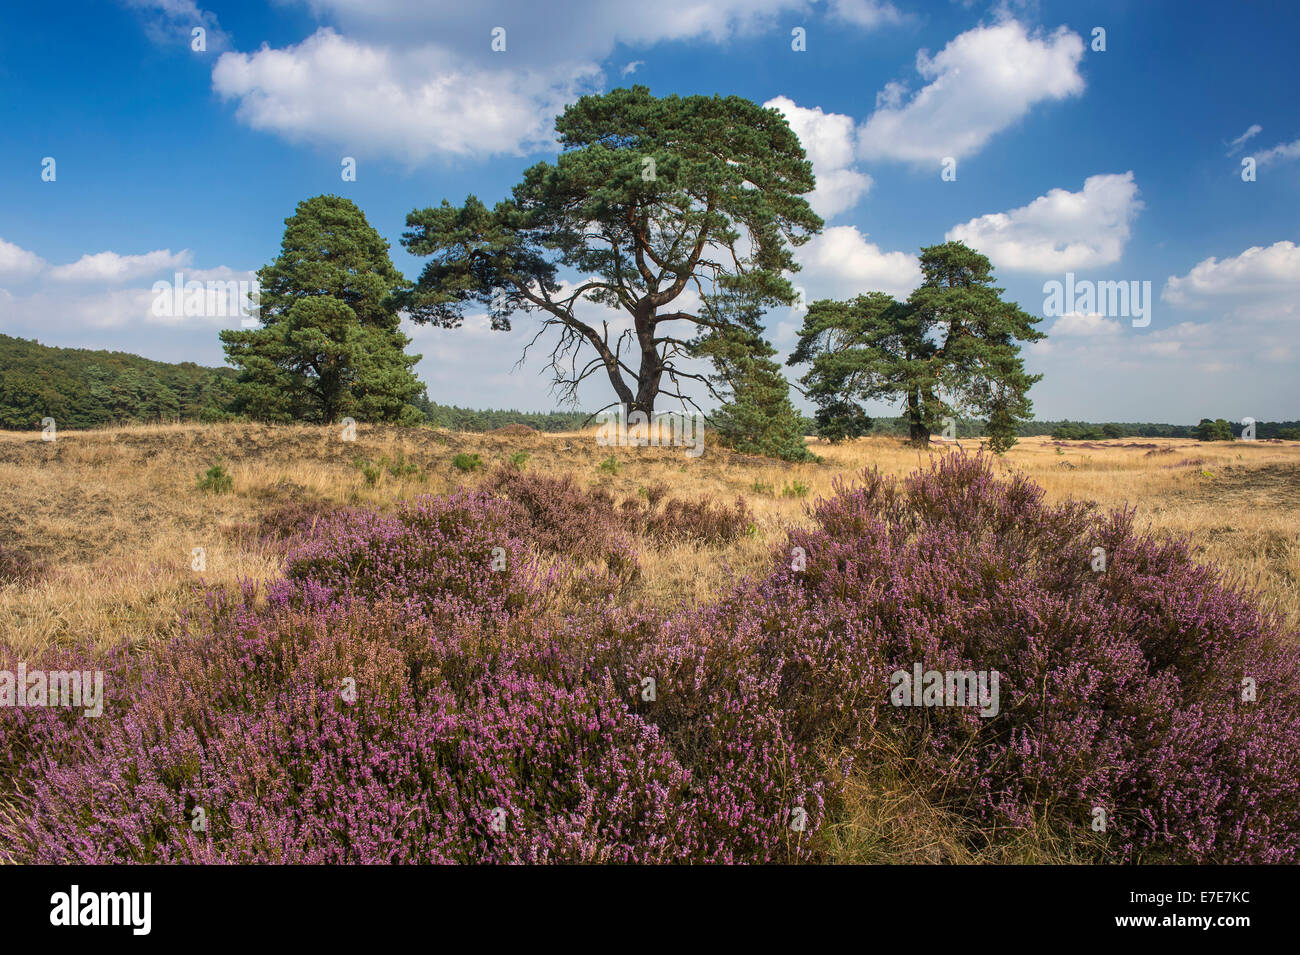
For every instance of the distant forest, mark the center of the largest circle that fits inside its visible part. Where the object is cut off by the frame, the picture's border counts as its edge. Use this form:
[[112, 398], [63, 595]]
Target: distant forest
[[80, 388], [1090, 431]]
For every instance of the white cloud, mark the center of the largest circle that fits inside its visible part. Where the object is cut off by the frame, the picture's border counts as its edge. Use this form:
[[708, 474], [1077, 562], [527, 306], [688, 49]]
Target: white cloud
[[1268, 273], [52, 311], [172, 21], [1060, 231], [632, 67], [370, 99], [1236, 360], [420, 79], [865, 13], [541, 33], [17, 262], [1253, 130], [1280, 153], [840, 263], [828, 140], [106, 300], [112, 267], [1078, 324], [979, 84]]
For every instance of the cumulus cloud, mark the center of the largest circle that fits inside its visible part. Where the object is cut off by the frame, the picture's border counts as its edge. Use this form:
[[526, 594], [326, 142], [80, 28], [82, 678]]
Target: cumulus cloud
[[1259, 273], [107, 300], [840, 262], [828, 140], [112, 267], [1284, 152], [1236, 359], [537, 33], [865, 13], [370, 99], [416, 80], [17, 262], [1078, 324], [1253, 130], [171, 22], [983, 81], [1060, 231]]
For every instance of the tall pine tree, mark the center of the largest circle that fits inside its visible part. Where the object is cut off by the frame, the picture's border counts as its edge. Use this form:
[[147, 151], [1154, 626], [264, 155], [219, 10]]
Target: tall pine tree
[[951, 351], [330, 344]]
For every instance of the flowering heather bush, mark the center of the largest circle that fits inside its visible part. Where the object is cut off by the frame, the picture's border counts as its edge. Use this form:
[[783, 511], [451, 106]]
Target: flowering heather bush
[[451, 556], [248, 722], [590, 523], [1120, 689], [478, 731], [401, 697], [561, 518]]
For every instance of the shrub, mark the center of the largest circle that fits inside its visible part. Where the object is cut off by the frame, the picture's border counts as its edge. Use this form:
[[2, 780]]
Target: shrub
[[1120, 689], [216, 481], [438, 553], [467, 462], [467, 711], [1217, 430], [399, 467], [610, 465], [558, 517], [369, 470], [795, 489], [405, 694], [518, 459]]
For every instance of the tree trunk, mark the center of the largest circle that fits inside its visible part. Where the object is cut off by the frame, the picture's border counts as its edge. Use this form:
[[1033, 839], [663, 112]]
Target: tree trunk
[[917, 431], [650, 371]]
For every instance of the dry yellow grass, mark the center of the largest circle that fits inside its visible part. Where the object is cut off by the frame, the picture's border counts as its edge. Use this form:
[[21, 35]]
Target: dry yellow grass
[[116, 514]]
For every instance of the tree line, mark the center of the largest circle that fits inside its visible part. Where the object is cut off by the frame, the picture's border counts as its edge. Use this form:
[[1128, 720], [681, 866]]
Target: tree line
[[81, 388], [85, 388]]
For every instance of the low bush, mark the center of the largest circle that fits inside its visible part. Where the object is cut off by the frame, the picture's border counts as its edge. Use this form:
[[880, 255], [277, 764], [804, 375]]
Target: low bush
[[467, 462], [406, 693], [216, 480]]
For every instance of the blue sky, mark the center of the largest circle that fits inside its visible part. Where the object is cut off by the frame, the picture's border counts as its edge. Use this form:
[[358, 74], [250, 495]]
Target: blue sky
[[1115, 165]]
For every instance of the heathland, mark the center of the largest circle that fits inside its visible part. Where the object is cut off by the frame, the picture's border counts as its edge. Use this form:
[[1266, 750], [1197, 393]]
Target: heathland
[[146, 541]]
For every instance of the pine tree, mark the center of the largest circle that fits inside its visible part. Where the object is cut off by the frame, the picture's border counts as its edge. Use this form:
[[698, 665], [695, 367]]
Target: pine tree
[[330, 344], [650, 199], [758, 417], [951, 351], [1216, 430]]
